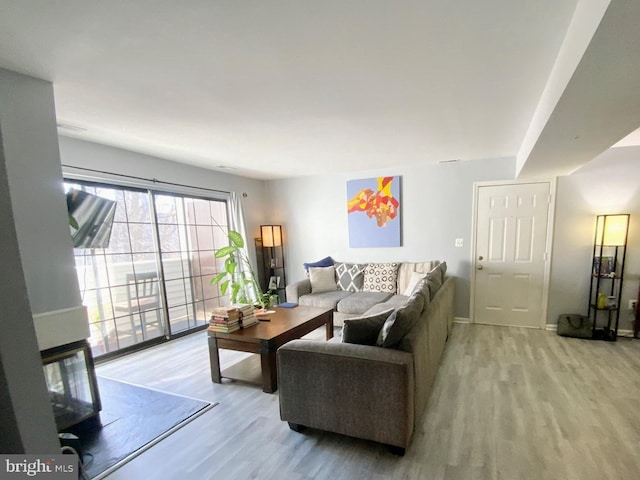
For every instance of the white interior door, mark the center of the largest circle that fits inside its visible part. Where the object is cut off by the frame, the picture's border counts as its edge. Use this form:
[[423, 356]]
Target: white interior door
[[510, 254]]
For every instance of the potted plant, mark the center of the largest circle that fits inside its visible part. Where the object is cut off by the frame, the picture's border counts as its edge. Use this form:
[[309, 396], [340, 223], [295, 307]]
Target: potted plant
[[238, 274]]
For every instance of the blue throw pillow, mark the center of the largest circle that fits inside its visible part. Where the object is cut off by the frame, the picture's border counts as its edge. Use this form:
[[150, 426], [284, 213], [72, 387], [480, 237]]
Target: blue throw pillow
[[325, 262]]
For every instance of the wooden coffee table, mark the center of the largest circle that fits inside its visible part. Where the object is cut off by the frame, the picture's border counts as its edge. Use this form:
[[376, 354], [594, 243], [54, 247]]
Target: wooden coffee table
[[265, 338]]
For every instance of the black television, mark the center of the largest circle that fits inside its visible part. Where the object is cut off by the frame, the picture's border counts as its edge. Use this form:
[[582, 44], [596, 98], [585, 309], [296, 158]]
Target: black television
[[93, 216]]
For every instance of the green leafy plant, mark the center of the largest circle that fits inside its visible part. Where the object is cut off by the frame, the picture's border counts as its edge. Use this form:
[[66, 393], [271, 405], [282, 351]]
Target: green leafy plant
[[73, 223], [238, 273]]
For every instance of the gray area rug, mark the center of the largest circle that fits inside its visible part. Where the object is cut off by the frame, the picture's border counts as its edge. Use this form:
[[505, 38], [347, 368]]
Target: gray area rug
[[133, 419]]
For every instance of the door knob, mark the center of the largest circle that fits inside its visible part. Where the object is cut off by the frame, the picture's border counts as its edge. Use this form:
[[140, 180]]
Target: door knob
[[480, 267], [480, 257]]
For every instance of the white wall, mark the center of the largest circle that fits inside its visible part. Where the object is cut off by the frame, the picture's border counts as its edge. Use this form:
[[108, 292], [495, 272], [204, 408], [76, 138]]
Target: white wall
[[436, 209], [27, 115], [34, 240], [608, 184], [95, 156]]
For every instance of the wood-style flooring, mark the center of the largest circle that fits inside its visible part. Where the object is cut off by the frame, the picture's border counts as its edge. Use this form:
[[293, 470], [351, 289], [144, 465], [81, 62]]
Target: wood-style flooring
[[507, 404]]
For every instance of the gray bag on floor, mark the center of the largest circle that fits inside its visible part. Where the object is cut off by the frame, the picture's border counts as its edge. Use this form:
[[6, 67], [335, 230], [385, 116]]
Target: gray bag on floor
[[573, 325]]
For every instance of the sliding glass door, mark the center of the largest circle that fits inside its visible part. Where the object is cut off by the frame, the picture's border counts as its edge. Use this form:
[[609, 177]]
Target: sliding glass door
[[190, 230], [153, 280]]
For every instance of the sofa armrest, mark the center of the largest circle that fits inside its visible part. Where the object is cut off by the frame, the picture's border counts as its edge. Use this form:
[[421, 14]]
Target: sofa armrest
[[357, 390], [297, 289]]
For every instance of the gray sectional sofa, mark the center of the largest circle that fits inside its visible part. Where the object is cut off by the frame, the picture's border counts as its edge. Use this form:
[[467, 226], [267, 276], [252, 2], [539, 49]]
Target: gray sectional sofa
[[363, 389], [355, 289]]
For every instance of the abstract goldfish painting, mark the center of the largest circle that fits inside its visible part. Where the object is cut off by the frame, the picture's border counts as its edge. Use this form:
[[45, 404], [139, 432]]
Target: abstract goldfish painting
[[373, 207]]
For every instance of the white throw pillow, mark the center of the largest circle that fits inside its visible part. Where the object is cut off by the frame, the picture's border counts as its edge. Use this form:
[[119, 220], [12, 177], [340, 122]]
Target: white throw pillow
[[413, 281], [323, 279]]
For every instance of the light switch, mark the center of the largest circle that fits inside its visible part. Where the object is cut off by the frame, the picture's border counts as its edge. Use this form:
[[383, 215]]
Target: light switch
[[459, 242]]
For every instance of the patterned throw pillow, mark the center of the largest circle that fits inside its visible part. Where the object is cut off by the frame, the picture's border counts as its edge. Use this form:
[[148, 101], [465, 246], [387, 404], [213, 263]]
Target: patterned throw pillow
[[350, 276], [380, 277]]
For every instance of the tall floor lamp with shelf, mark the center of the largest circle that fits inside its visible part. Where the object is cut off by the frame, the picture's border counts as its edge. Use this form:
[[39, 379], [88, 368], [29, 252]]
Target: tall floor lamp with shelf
[[607, 273], [271, 244]]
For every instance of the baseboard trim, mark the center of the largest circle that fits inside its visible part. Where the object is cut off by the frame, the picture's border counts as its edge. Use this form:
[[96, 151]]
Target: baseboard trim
[[621, 332], [461, 320]]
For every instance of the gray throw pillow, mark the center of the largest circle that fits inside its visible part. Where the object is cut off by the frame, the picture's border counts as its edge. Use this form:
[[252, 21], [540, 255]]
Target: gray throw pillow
[[364, 330], [434, 286], [423, 288], [323, 279], [443, 269], [401, 321], [435, 278]]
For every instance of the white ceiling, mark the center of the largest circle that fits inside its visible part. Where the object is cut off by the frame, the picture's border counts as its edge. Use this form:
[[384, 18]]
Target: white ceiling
[[631, 140], [286, 88]]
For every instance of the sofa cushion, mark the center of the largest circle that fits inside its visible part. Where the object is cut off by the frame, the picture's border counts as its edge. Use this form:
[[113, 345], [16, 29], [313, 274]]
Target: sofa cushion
[[325, 299], [360, 302], [364, 330], [323, 279], [350, 276], [392, 303], [325, 262], [401, 321], [380, 277]]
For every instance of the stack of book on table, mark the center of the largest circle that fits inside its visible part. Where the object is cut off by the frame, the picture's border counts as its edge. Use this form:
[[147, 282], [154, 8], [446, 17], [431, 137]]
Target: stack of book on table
[[224, 320], [232, 318], [247, 315]]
